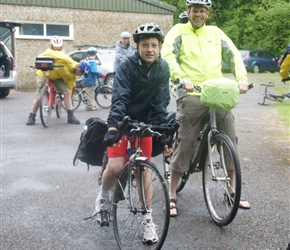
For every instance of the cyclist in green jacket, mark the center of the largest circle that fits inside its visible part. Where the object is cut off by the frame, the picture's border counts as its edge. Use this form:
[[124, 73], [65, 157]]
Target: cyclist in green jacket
[[194, 52]]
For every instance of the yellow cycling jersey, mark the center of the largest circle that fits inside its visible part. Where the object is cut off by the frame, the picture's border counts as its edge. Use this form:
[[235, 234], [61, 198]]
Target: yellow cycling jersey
[[66, 72], [285, 67], [197, 54]]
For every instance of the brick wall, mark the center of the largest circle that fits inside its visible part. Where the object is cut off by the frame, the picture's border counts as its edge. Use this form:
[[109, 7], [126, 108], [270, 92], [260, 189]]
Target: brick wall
[[90, 27]]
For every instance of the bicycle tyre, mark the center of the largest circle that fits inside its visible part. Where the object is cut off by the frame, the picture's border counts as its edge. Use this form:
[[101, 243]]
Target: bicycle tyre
[[76, 100], [103, 97], [58, 109], [182, 181], [275, 98], [127, 223], [44, 107], [220, 205]]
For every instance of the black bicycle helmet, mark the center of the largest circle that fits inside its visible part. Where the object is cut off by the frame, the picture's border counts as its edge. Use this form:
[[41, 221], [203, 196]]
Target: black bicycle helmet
[[148, 30]]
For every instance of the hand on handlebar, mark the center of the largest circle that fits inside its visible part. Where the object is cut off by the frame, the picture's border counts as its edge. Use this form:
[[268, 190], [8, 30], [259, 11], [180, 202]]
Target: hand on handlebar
[[187, 85], [112, 138], [243, 86]]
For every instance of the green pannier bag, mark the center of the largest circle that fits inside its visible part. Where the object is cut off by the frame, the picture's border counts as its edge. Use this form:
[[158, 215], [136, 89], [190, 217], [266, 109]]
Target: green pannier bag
[[220, 93]]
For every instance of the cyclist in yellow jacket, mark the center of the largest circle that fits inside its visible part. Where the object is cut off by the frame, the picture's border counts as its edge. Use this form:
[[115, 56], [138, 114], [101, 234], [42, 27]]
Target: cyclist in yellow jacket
[[62, 77], [285, 64], [194, 52]]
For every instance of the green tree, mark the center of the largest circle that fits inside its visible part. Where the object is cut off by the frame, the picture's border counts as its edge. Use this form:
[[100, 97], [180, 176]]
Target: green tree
[[251, 24]]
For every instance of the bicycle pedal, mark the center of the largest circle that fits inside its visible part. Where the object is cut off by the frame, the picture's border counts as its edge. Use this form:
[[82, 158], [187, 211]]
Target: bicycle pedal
[[105, 218]]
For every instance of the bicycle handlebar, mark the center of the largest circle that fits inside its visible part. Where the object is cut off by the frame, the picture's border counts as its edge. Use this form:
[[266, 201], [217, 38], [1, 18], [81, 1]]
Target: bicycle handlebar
[[198, 87], [141, 127]]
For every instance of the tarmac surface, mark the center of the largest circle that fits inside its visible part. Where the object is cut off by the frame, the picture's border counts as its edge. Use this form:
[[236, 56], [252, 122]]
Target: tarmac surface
[[44, 198]]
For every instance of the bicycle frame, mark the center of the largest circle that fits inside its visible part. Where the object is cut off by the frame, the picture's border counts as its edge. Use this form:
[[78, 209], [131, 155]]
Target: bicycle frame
[[51, 90]]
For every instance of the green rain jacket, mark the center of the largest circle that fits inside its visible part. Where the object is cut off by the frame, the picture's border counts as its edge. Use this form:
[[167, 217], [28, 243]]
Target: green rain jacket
[[197, 54]]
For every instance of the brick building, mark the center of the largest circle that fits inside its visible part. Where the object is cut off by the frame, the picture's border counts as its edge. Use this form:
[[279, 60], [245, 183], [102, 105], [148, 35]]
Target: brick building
[[79, 22]]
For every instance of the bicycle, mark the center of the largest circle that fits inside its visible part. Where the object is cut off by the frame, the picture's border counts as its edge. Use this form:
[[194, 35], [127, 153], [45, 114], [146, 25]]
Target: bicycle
[[103, 94], [214, 152], [49, 98], [273, 97], [129, 195]]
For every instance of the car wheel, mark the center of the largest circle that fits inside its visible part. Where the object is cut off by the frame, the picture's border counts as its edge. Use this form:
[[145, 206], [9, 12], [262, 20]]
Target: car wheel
[[110, 80], [4, 92], [256, 68]]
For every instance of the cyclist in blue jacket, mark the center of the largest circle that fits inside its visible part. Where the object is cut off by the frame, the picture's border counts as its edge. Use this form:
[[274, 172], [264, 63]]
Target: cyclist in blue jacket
[[91, 76]]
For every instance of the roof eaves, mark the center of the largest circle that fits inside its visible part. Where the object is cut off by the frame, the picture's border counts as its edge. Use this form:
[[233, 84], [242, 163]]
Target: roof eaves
[[161, 5]]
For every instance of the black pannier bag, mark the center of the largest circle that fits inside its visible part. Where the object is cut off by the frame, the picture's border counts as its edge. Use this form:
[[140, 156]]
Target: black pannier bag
[[91, 148]]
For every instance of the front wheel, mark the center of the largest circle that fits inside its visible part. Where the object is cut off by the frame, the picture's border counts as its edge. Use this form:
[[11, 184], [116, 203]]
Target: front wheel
[[44, 107], [103, 97], [135, 194], [222, 182]]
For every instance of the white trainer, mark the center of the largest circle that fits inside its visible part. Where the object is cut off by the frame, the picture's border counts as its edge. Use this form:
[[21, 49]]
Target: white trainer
[[102, 213], [149, 232]]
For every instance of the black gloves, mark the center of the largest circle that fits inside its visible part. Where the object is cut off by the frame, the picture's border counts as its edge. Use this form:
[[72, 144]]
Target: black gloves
[[111, 137], [162, 140]]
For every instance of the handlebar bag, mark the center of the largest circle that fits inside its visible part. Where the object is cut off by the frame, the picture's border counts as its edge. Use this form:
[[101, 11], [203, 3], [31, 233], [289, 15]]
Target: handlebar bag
[[220, 93]]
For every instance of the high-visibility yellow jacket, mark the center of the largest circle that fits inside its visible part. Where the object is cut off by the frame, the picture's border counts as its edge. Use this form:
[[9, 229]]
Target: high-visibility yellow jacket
[[66, 72], [197, 54], [285, 67]]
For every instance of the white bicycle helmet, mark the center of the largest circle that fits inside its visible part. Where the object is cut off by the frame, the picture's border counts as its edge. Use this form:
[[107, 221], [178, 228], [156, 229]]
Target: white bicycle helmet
[[148, 30], [205, 3], [56, 41], [125, 34]]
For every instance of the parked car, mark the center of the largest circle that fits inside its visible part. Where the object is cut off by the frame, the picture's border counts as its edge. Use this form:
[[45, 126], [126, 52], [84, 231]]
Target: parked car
[[257, 61], [105, 61], [8, 73]]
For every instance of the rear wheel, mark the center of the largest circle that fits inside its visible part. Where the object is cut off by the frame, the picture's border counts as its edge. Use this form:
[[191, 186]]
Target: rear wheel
[[58, 109], [221, 186], [103, 97], [44, 107]]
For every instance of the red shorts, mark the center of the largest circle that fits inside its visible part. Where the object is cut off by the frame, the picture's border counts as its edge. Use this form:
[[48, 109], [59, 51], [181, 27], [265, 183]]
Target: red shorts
[[121, 151]]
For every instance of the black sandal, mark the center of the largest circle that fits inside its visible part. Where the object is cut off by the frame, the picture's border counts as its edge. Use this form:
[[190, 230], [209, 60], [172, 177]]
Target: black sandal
[[173, 207]]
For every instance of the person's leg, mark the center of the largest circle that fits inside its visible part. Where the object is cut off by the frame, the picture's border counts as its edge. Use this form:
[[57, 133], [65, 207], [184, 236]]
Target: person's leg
[[191, 115], [62, 87], [90, 91], [40, 81], [116, 161]]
